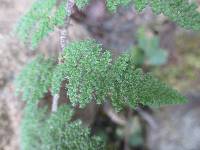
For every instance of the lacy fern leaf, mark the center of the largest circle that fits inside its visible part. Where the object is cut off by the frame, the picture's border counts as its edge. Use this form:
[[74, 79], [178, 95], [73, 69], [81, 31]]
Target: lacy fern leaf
[[32, 127], [180, 11], [43, 132], [91, 75], [59, 76], [112, 5], [140, 4], [40, 20], [35, 79], [81, 3], [86, 67], [132, 87], [63, 134]]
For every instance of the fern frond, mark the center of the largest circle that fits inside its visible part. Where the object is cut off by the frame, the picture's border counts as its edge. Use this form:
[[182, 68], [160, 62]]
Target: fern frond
[[44, 16], [86, 67], [140, 4], [69, 135], [59, 75], [81, 3], [43, 132], [40, 20], [131, 87], [35, 79], [31, 127], [112, 5], [180, 11], [92, 76]]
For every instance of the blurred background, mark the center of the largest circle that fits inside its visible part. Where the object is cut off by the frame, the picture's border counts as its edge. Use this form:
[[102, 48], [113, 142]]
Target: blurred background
[[171, 53]]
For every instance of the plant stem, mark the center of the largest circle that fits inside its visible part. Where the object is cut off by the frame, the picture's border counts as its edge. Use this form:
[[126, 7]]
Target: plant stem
[[114, 116], [147, 117], [63, 42], [55, 103]]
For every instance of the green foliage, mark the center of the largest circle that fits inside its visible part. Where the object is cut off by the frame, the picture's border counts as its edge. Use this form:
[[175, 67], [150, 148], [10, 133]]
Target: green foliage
[[63, 135], [35, 79], [40, 20], [32, 127], [86, 66], [92, 76], [81, 3], [180, 11], [112, 5], [59, 75], [44, 16], [140, 4], [131, 87], [148, 49], [55, 132]]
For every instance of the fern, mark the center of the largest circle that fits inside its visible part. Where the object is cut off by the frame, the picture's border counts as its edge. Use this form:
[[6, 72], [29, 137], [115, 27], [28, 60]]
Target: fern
[[32, 128], [91, 73], [43, 132], [180, 11], [40, 20], [140, 4], [112, 5], [82, 3], [131, 87], [58, 77], [74, 135], [86, 69], [35, 79], [92, 76]]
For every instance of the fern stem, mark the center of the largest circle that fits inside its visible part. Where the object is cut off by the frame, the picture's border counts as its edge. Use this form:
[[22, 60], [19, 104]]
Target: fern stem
[[113, 116], [147, 117], [63, 33], [63, 43], [55, 103]]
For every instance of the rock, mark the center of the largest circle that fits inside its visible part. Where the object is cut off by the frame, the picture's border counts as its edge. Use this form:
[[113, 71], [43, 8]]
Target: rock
[[178, 128]]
